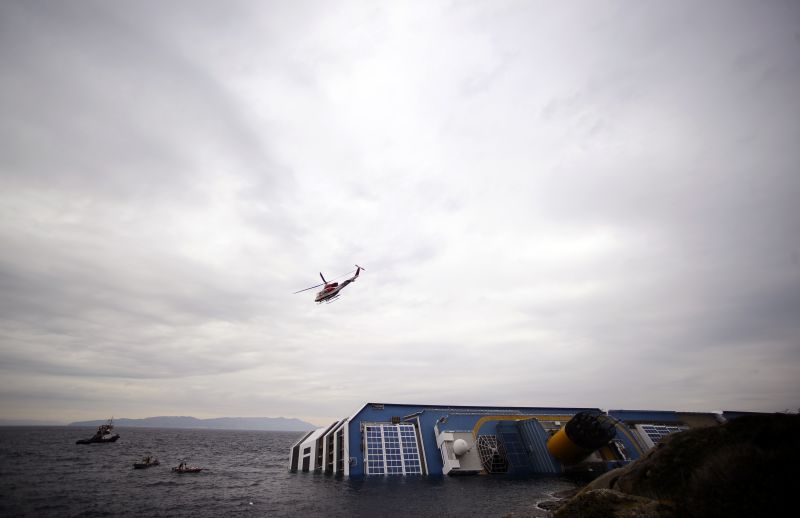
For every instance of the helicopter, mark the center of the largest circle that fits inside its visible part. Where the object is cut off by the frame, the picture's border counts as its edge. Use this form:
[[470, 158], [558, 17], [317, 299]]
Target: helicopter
[[332, 289]]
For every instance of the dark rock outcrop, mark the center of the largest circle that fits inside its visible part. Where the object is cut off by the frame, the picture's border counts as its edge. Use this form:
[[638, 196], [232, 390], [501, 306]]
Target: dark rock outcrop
[[602, 503], [747, 467]]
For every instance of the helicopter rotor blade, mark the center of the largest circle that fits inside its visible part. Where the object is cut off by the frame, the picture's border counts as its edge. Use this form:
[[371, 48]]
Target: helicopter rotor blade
[[323, 278], [311, 288]]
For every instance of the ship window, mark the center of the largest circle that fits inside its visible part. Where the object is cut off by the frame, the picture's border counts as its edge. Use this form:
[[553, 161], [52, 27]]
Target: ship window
[[391, 449], [655, 432]]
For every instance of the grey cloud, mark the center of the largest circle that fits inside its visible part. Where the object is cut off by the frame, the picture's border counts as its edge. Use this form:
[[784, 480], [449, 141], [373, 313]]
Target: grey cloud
[[107, 106], [564, 190]]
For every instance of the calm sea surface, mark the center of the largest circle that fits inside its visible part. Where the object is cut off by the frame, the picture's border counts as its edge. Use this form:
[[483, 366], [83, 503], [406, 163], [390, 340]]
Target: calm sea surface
[[44, 473]]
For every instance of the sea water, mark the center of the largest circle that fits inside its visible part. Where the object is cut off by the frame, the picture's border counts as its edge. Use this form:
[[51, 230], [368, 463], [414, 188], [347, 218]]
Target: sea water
[[44, 473]]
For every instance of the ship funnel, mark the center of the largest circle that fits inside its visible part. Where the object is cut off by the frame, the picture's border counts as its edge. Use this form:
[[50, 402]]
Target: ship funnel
[[583, 434]]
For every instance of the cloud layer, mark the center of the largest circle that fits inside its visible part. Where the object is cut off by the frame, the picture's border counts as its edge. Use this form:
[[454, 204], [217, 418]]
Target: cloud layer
[[557, 205]]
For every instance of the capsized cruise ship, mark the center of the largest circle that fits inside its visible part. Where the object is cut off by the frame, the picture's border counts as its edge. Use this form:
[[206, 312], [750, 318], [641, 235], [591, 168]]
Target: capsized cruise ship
[[400, 439]]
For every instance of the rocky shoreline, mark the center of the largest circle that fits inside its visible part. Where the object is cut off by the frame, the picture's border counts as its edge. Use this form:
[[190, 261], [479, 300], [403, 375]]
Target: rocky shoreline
[[746, 467]]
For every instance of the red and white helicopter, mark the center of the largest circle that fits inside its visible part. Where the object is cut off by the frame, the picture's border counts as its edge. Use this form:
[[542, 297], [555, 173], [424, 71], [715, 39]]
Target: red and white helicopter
[[331, 290]]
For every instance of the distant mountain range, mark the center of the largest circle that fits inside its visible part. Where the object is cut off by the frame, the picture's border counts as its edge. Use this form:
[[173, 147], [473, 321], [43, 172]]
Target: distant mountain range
[[219, 423]]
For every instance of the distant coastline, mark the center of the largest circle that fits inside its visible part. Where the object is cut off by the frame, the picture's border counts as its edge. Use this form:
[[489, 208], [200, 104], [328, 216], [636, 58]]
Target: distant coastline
[[276, 424]]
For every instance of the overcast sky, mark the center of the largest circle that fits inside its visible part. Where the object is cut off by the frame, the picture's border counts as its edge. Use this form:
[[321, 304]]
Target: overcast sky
[[558, 203]]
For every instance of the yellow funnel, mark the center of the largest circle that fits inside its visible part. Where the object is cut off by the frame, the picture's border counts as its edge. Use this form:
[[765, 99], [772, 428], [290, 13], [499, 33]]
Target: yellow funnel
[[561, 447]]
